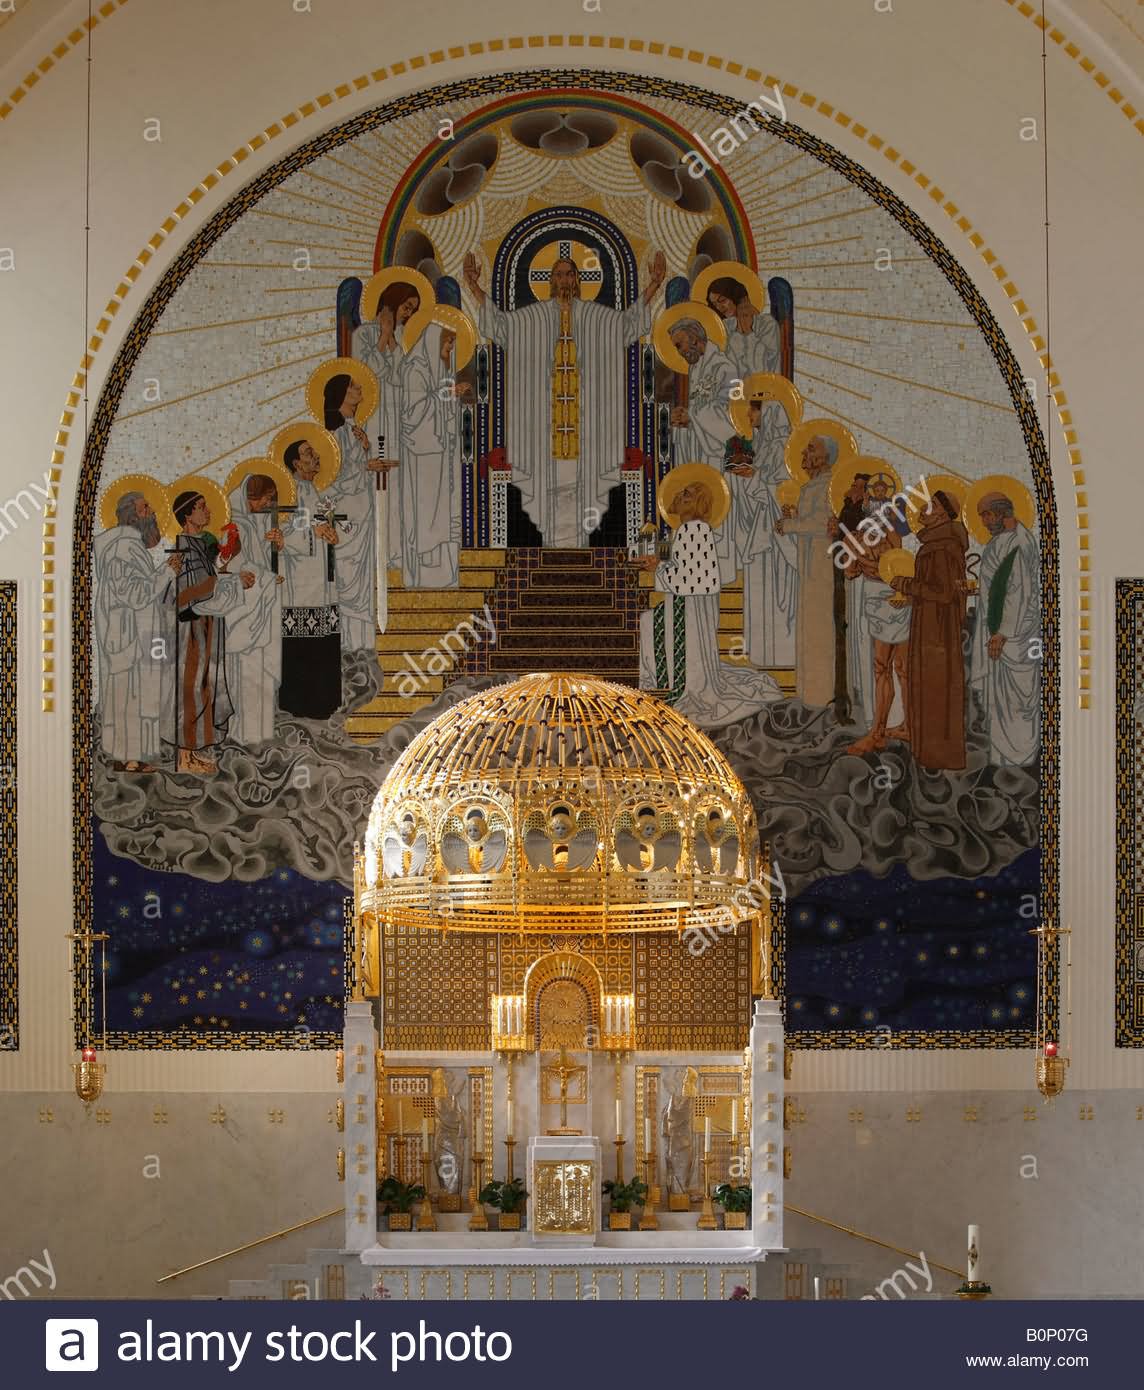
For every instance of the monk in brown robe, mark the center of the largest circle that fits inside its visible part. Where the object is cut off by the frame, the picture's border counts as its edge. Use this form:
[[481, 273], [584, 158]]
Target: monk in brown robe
[[936, 687]]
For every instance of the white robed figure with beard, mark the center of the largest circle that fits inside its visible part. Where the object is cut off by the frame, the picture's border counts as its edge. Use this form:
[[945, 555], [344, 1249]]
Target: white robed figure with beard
[[130, 634], [254, 631], [1006, 664], [566, 404], [701, 428], [679, 640]]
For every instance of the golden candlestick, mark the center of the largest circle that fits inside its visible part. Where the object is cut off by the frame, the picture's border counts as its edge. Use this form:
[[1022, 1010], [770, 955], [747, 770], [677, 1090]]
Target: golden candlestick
[[478, 1221], [649, 1221], [426, 1221], [619, 1142], [509, 1145], [707, 1220]]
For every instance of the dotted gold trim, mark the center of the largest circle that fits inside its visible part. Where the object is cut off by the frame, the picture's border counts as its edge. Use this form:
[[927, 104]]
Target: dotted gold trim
[[751, 75], [61, 50]]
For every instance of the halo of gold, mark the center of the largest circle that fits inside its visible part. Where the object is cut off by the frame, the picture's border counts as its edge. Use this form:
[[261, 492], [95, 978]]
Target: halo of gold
[[894, 563], [801, 436], [843, 474], [351, 367], [216, 499], [323, 443], [630, 745], [268, 468], [547, 257], [455, 320], [153, 491], [1024, 508], [770, 386], [940, 482], [731, 270], [392, 275], [787, 492], [683, 474], [666, 350]]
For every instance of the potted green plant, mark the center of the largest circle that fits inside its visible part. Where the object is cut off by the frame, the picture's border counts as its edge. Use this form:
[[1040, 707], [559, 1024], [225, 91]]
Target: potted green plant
[[624, 1196], [509, 1199], [396, 1199], [736, 1204]]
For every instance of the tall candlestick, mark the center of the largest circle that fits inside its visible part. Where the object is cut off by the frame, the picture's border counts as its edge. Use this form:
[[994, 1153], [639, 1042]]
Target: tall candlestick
[[707, 1134], [974, 1252]]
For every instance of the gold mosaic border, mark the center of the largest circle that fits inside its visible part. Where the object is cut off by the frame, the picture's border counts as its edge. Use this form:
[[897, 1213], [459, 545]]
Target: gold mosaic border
[[574, 41], [9, 927], [61, 50]]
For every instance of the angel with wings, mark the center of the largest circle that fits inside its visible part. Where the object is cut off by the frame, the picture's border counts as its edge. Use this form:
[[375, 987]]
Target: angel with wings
[[716, 844], [481, 849], [645, 845], [404, 849], [560, 845]]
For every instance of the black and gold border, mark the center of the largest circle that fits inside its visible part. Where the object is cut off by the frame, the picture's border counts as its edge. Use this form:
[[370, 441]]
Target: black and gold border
[[9, 927], [1129, 817], [491, 86]]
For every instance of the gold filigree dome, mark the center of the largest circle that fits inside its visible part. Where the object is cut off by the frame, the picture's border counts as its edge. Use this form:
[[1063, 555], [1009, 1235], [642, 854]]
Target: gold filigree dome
[[559, 802]]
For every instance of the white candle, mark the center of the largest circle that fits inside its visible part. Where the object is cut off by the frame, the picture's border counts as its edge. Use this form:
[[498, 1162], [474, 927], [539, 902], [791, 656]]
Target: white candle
[[619, 1119], [734, 1119], [424, 1135], [647, 1135], [509, 1120], [817, 1288], [974, 1253], [707, 1134]]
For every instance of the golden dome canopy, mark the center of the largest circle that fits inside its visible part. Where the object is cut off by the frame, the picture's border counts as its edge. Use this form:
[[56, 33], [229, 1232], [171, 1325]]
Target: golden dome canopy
[[558, 802]]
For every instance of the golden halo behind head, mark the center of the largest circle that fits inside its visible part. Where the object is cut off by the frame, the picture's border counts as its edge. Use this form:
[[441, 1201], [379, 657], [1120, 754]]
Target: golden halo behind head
[[283, 479], [394, 275], [1024, 508], [217, 502], [801, 436], [583, 257], [767, 386], [939, 482], [730, 270], [343, 366], [666, 350], [682, 475], [323, 443], [455, 320], [153, 491], [896, 563], [844, 472]]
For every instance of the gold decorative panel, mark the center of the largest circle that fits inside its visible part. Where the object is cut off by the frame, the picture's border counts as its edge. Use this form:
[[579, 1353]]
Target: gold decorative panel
[[436, 989], [687, 1002], [564, 1199]]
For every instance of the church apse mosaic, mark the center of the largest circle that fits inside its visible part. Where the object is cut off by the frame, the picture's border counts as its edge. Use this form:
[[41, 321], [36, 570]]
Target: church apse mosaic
[[497, 378]]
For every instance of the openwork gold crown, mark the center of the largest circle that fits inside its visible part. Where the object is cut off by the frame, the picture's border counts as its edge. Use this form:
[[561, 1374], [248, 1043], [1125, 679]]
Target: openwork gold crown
[[560, 803]]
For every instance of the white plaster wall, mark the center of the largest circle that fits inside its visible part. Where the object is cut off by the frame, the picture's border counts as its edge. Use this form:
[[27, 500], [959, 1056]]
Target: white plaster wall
[[946, 84]]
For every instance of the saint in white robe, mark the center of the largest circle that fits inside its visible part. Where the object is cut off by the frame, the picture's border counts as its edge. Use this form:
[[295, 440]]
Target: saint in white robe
[[254, 630], [528, 337], [131, 642], [814, 631], [1009, 603], [769, 562], [679, 640], [429, 495], [757, 350], [703, 439], [353, 493]]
